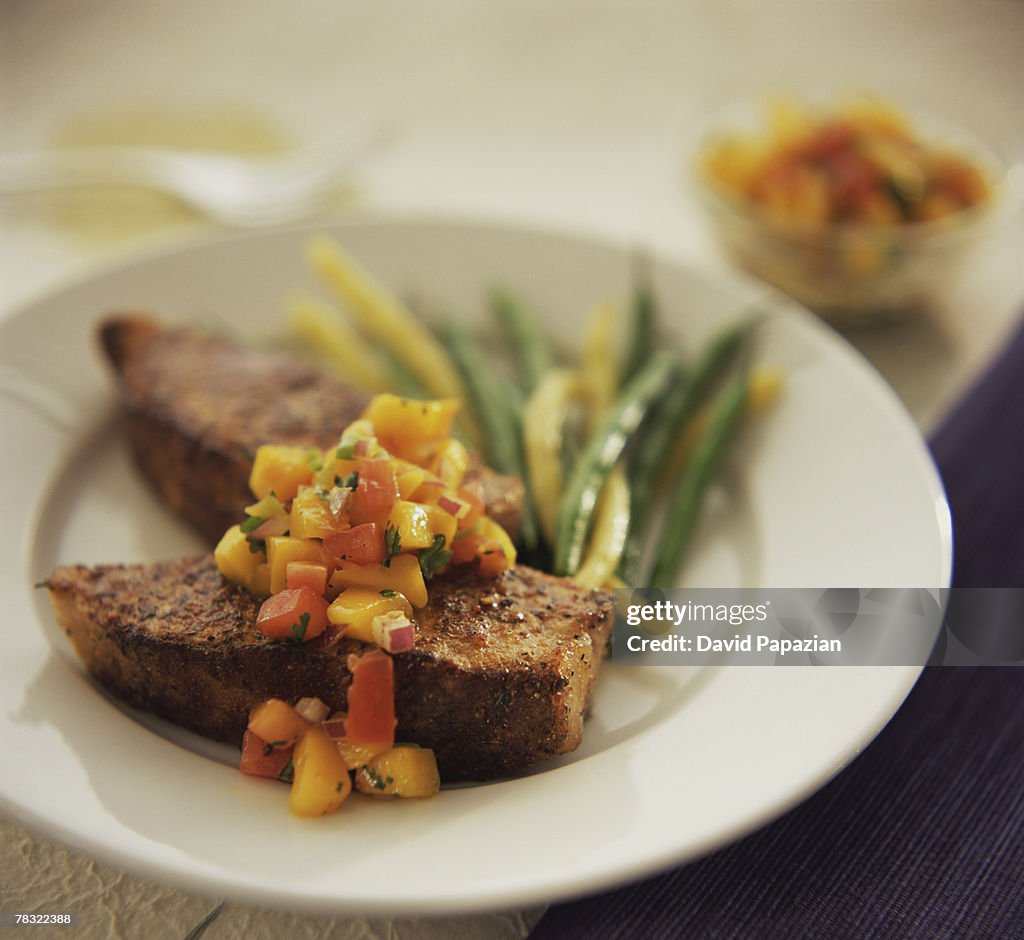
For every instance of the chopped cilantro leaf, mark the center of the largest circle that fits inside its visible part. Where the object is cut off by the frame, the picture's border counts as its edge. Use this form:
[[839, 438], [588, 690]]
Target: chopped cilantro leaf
[[376, 780], [896, 192], [346, 449], [299, 629], [349, 481], [252, 523], [287, 773], [433, 559], [387, 592], [392, 544], [257, 545]]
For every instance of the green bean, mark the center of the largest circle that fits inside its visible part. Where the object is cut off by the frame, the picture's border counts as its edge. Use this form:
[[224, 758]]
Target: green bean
[[532, 349], [499, 436], [685, 506], [512, 401], [602, 452], [640, 342], [655, 446], [498, 412]]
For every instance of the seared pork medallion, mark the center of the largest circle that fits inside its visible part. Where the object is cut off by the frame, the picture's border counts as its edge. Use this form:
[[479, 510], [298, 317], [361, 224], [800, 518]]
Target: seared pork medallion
[[197, 408], [498, 680]]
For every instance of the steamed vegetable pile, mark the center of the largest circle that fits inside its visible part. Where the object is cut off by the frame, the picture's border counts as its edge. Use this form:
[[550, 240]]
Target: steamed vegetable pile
[[618, 446], [617, 452]]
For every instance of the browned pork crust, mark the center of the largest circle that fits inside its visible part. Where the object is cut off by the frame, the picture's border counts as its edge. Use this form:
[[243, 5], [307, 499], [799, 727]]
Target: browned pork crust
[[498, 680], [197, 407]]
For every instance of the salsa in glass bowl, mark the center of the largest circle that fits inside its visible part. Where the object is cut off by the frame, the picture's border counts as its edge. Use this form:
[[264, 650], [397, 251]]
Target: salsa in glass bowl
[[851, 207]]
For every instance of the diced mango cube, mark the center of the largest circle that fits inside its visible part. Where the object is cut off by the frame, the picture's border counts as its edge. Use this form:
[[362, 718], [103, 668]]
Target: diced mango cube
[[450, 463], [490, 529], [409, 477], [266, 508], [238, 562], [277, 723], [412, 520], [321, 782], [403, 575], [259, 583], [355, 607], [310, 519], [442, 523], [429, 491], [279, 469], [356, 755], [403, 770], [400, 419], [282, 549]]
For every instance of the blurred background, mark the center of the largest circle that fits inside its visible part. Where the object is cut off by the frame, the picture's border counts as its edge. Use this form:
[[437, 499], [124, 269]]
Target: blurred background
[[581, 114], [578, 114]]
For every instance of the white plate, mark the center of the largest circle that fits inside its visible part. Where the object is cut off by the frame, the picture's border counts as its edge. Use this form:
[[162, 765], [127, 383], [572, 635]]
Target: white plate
[[837, 490]]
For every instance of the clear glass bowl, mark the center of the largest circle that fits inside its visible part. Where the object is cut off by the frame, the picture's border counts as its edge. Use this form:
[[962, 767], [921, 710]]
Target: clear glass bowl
[[853, 272]]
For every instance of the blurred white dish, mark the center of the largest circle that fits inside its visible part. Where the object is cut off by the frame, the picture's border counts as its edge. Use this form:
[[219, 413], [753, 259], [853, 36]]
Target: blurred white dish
[[838, 491], [235, 190]]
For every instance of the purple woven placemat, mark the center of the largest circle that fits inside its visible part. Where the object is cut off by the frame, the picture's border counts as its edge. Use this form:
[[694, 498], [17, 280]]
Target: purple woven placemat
[[923, 834]]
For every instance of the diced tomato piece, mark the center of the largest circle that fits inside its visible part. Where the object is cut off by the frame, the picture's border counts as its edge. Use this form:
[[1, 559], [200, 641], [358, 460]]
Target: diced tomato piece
[[293, 614], [376, 490], [492, 559], [490, 553], [311, 574], [854, 179], [260, 759], [361, 545], [465, 548], [830, 139], [371, 700]]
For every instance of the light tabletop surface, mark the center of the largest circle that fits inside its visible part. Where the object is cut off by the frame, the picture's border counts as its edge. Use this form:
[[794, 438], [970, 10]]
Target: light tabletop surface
[[575, 115]]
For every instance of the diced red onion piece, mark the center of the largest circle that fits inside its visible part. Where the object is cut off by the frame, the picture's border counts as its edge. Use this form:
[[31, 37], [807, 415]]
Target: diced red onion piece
[[402, 639], [275, 525], [394, 632], [312, 709], [363, 447], [337, 501], [454, 507]]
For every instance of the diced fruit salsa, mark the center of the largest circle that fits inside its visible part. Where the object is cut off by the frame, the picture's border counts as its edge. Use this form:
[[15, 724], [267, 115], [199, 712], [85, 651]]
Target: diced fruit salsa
[[346, 540], [861, 164], [318, 754]]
